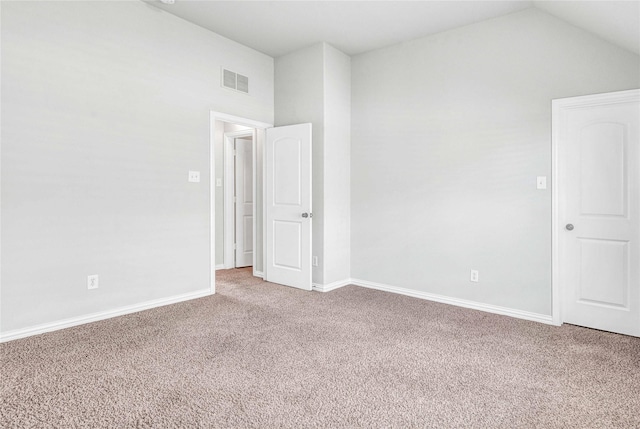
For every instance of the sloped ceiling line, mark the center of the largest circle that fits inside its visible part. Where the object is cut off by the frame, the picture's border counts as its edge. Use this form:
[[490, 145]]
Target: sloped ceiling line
[[276, 28]]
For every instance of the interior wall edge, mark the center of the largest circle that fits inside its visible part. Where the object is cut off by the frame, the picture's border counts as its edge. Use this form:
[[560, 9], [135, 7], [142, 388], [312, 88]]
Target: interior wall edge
[[473, 305], [102, 315]]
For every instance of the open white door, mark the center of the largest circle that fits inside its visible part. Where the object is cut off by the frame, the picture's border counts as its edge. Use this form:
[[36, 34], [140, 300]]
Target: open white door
[[597, 142], [288, 205], [244, 202]]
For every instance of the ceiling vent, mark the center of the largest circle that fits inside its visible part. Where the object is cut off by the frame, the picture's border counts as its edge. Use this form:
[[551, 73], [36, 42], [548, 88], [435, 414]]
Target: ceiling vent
[[235, 81]]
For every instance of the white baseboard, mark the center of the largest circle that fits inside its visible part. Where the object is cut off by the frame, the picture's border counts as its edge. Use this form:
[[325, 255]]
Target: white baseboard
[[220, 267], [331, 286], [81, 320], [505, 311], [258, 274]]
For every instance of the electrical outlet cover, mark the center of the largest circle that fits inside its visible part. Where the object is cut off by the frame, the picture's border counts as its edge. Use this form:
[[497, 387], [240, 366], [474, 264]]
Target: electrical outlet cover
[[541, 182], [93, 281]]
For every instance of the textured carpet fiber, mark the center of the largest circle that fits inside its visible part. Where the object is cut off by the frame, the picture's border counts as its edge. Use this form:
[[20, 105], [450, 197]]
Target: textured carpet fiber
[[258, 355]]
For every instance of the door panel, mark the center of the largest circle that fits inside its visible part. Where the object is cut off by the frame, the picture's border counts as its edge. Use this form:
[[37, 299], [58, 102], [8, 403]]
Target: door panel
[[286, 244], [604, 262], [602, 170], [288, 205], [287, 174], [599, 194], [244, 202]]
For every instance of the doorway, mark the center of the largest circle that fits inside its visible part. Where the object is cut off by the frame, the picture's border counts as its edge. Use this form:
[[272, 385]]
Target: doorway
[[285, 180], [221, 124]]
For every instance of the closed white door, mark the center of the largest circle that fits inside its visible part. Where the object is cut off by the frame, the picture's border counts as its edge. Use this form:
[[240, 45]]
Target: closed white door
[[244, 202], [288, 205], [598, 202]]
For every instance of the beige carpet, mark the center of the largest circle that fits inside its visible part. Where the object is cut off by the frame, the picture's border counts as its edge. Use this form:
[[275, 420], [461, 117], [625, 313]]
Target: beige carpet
[[258, 355]]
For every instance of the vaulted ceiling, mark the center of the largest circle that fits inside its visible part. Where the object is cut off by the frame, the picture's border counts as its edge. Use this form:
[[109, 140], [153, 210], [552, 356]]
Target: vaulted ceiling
[[279, 27]]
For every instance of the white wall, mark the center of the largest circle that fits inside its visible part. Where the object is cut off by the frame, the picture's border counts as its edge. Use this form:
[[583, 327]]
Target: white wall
[[299, 98], [337, 166], [105, 109], [448, 135], [313, 85]]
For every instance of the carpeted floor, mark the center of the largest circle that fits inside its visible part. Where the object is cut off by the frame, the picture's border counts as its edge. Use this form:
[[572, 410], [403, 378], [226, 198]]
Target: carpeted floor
[[258, 355]]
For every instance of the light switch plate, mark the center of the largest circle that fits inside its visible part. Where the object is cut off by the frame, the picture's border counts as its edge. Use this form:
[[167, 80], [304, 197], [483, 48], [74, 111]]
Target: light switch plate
[[194, 176], [541, 182]]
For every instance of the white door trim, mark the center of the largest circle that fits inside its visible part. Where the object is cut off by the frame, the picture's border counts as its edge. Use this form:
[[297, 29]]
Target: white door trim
[[229, 180], [556, 107], [225, 117]]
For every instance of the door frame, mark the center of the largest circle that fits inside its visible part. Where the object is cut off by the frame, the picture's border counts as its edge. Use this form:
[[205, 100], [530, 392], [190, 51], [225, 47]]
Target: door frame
[[557, 106], [229, 182], [257, 125]]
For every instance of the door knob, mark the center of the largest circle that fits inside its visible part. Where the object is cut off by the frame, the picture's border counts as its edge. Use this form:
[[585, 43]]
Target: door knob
[[305, 214], [569, 227]]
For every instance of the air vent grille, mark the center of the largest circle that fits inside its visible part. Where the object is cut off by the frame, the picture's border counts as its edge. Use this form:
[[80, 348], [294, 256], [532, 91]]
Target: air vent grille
[[242, 83], [229, 79], [235, 81]]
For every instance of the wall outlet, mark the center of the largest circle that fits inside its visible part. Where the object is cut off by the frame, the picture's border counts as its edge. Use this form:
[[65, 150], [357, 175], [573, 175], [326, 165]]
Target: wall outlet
[[474, 276], [541, 182], [194, 176], [92, 282], [314, 261]]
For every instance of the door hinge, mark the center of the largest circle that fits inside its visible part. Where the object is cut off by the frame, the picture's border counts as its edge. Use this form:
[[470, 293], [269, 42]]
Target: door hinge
[[235, 246], [234, 152], [235, 199]]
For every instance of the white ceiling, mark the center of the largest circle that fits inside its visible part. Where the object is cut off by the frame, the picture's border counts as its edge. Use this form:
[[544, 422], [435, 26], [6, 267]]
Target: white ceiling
[[615, 21], [279, 27]]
